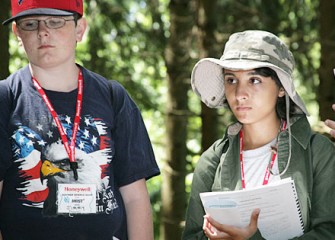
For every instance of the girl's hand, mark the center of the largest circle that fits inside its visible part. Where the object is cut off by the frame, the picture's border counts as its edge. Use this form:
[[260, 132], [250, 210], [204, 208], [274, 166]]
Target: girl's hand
[[214, 230]]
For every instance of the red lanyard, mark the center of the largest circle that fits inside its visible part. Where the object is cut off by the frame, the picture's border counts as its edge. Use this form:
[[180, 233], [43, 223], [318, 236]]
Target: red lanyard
[[70, 148], [267, 170]]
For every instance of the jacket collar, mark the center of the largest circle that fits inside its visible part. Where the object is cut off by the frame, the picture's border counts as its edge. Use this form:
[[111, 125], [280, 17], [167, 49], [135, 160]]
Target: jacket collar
[[300, 129]]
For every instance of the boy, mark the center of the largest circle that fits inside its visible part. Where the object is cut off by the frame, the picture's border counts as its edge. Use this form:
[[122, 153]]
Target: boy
[[75, 151]]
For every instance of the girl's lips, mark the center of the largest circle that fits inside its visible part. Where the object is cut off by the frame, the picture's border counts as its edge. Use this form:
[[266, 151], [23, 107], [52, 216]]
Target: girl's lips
[[243, 108]]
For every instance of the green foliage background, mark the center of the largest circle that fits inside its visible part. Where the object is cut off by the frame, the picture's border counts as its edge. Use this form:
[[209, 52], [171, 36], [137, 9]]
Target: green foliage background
[[126, 41]]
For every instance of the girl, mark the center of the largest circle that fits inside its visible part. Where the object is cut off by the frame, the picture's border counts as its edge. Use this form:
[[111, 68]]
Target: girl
[[254, 79]]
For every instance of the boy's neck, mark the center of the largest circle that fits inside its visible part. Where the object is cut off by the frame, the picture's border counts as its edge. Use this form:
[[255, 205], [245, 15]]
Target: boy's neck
[[57, 79]]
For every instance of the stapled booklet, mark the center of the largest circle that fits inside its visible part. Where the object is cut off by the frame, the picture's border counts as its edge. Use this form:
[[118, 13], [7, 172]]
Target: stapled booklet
[[280, 216]]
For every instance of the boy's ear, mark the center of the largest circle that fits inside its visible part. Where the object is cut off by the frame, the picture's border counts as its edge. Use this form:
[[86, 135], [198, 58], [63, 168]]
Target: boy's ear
[[16, 33], [81, 28], [14, 28], [281, 92]]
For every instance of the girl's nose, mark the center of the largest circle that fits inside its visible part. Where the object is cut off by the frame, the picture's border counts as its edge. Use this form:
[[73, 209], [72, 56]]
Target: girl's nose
[[241, 92]]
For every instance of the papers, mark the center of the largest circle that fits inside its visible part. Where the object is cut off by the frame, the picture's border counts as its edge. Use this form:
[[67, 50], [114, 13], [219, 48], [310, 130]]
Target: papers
[[280, 216]]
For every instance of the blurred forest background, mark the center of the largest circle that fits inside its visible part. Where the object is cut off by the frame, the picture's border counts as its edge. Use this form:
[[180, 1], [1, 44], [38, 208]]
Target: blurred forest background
[[151, 46]]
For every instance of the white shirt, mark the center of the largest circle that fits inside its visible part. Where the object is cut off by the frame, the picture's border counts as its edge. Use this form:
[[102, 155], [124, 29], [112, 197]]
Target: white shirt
[[256, 162]]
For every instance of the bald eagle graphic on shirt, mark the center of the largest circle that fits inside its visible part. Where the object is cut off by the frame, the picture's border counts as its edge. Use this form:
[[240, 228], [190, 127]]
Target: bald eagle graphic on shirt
[[43, 162]]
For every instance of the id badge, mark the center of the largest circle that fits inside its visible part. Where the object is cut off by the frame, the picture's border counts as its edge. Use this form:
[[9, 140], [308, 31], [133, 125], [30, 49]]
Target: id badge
[[76, 198]]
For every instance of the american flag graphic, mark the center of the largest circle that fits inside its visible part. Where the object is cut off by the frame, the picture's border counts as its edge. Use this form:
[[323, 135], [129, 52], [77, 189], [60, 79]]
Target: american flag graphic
[[32, 146]]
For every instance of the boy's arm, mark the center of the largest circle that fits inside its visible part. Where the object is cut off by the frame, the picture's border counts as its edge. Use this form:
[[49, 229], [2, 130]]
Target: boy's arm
[[138, 209]]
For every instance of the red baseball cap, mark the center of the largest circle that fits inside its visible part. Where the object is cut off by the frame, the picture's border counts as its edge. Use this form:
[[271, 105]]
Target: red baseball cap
[[22, 8]]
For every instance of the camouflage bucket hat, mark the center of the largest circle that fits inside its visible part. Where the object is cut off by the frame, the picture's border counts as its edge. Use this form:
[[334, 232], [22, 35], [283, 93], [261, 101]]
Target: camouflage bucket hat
[[244, 51]]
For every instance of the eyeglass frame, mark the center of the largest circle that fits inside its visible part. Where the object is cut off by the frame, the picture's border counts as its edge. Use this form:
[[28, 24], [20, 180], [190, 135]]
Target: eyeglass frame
[[75, 19]]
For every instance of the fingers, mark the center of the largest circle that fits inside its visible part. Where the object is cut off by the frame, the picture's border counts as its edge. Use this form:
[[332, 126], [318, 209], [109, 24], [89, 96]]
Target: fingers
[[207, 226], [331, 124], [211, 231], [332, 133], [254, 220], [215, 230], [216, 225]]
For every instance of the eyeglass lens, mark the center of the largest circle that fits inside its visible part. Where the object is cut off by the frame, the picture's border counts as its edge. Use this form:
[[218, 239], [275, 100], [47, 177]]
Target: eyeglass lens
[[52, 23]]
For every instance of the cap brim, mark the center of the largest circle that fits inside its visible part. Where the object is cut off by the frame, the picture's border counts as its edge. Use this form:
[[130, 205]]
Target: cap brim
[[39, 11], [207, 80]]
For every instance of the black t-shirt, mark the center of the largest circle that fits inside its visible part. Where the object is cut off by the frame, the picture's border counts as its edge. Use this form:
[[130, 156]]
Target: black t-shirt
[[112, 150]]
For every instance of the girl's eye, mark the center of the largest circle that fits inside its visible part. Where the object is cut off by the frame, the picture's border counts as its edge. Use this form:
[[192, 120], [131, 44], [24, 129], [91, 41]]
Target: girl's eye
[[230, 80], [255, 80]]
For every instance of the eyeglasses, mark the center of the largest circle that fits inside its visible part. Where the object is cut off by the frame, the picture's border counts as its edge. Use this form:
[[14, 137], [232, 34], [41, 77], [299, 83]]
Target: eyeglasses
[[51, 23]]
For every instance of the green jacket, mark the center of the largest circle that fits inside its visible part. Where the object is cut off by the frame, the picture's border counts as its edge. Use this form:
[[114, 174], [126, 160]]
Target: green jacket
[[312, 167]]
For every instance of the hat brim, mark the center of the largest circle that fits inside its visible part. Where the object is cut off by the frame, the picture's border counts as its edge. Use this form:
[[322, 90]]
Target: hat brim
[[207, 80], [38, 11]]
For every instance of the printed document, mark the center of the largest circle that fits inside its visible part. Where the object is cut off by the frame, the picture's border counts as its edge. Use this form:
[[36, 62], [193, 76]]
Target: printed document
[[280, 216]]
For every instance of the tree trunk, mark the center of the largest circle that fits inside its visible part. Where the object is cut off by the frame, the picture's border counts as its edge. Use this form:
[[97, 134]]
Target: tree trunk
[[208, 47], [178, 64], [4, 39], [326, 90]]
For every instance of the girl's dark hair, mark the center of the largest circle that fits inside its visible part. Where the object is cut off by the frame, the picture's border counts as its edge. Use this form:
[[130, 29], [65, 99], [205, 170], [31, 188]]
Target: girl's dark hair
[[281, 105]]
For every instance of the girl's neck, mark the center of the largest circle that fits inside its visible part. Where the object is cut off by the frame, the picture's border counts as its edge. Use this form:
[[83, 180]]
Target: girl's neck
[[259, 134]]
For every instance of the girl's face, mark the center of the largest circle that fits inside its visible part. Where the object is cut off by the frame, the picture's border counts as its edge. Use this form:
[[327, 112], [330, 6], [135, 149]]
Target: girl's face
[[251, 97]]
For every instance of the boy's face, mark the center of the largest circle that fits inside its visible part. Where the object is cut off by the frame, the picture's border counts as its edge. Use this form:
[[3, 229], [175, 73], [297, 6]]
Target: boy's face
[[46, 47], [251, 97]]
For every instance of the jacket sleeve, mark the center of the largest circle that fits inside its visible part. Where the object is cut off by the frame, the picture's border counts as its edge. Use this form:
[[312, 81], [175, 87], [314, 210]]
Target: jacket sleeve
[[322, 215], [203, 177]]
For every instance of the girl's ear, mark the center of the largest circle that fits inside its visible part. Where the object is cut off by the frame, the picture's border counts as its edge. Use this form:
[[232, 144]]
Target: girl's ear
[[281, 92]]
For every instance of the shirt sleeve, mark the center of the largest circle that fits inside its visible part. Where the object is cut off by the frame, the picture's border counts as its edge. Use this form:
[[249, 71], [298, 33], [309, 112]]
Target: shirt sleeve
[[5, 111], [134, 156]]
